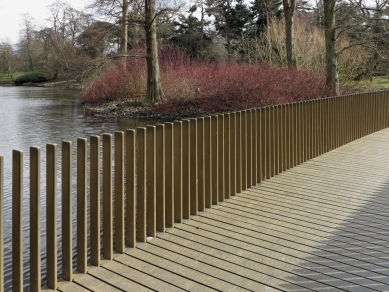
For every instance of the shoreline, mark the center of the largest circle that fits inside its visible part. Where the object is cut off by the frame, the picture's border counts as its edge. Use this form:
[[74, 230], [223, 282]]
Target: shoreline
[[72, 84], [123, 110]]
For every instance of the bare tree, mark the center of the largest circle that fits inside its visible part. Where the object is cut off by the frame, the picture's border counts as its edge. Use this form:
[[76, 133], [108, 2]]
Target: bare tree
[[353, 19], [289, 10], [7, 57], [27, 36], [124, 31], [154, 92]]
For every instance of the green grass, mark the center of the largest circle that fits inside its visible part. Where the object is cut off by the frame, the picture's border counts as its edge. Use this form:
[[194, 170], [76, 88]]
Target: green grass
[[378, 81], [5, 78]]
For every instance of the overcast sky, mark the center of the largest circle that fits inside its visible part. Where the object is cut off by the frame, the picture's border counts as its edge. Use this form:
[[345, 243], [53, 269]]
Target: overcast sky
[[11, 10]]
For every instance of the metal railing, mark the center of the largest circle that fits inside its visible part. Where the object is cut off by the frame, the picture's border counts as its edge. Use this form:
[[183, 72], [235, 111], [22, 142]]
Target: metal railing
[[165, 173]]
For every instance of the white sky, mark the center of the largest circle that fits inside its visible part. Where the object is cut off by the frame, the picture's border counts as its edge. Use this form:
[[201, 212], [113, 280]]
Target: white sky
[[11, 10]]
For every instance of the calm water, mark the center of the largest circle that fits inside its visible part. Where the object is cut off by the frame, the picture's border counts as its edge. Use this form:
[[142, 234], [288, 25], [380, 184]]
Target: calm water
[[33, 116]]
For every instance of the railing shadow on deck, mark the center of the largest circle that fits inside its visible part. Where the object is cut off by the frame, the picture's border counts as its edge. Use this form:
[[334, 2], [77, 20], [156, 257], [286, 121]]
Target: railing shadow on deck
[[166, 173], [353, 248]]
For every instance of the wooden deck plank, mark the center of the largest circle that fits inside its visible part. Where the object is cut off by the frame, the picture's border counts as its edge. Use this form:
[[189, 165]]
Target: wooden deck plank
[[305, 225], [111, 274], [190, 267], [66, 286], [247, 234], [380, 231], [92, 283], [152, 284], [239, 261], [180, 266], [339, 200], [156, 272], [283, 251], [321, 226], [237, 272], [318, 211], [358, 195], [365, 231]]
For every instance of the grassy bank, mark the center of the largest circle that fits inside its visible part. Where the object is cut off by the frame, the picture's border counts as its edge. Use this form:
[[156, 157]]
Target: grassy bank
[[375, 83], [5, 78]]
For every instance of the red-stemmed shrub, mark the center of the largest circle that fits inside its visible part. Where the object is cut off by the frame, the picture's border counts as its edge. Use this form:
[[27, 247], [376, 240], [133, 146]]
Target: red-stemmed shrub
[[195, 88]]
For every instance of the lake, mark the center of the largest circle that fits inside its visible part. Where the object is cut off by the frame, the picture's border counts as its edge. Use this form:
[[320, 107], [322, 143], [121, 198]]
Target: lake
[[35, 116]]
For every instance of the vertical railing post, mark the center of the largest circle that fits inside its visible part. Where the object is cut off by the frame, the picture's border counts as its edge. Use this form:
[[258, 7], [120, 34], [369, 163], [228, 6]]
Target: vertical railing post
[[268, 141], [208, 182], [214, 161], [233, 153], [277, 140], [67, 212], [248, 149], [351, 123], [273, 133], [243, 137], [17, 221], [254, 152], [300, 132], [263, 145], [307, 109], [287, 135], [2, 223], [169, 174], [324, 125], [160, 177], [177, 136], [141, 185], [238, 148], [107, 197], [386, 110], [292, 134], [227, 165], [130, 188], [193, 163], [119, 192], [282, 140], [259, 146], [151, 229], [330, 121], [35, 220], [82, 239], [51, 215], [95, 196], [220, 160], [315, 117], [186, 169], [321, 127], [200, 164]]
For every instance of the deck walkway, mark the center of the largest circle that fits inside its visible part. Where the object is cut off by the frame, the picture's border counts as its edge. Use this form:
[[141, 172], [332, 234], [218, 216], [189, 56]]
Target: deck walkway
[[322, 226]]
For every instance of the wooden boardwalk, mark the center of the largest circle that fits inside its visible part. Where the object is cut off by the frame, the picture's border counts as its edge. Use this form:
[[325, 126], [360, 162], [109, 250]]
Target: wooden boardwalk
[[321, 226]]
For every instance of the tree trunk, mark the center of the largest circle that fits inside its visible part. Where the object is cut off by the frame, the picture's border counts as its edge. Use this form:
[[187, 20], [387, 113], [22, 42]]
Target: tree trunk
[[332, 80], [289, 9], [124, 31], [154, 93]]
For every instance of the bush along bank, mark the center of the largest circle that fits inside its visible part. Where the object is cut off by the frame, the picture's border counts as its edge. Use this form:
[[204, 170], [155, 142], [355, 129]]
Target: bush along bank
[[200, 88]]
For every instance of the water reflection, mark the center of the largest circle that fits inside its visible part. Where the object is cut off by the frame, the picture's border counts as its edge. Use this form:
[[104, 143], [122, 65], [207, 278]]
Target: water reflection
[[33, 116]]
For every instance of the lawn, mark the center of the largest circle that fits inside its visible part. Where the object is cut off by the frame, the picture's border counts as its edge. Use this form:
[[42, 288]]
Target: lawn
[[378, 81], [5, 78]]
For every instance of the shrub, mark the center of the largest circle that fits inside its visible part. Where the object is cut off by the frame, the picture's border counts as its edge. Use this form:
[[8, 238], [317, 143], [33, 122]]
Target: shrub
[[33, 77], [232, 86], [194, 88], [118, 83]]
